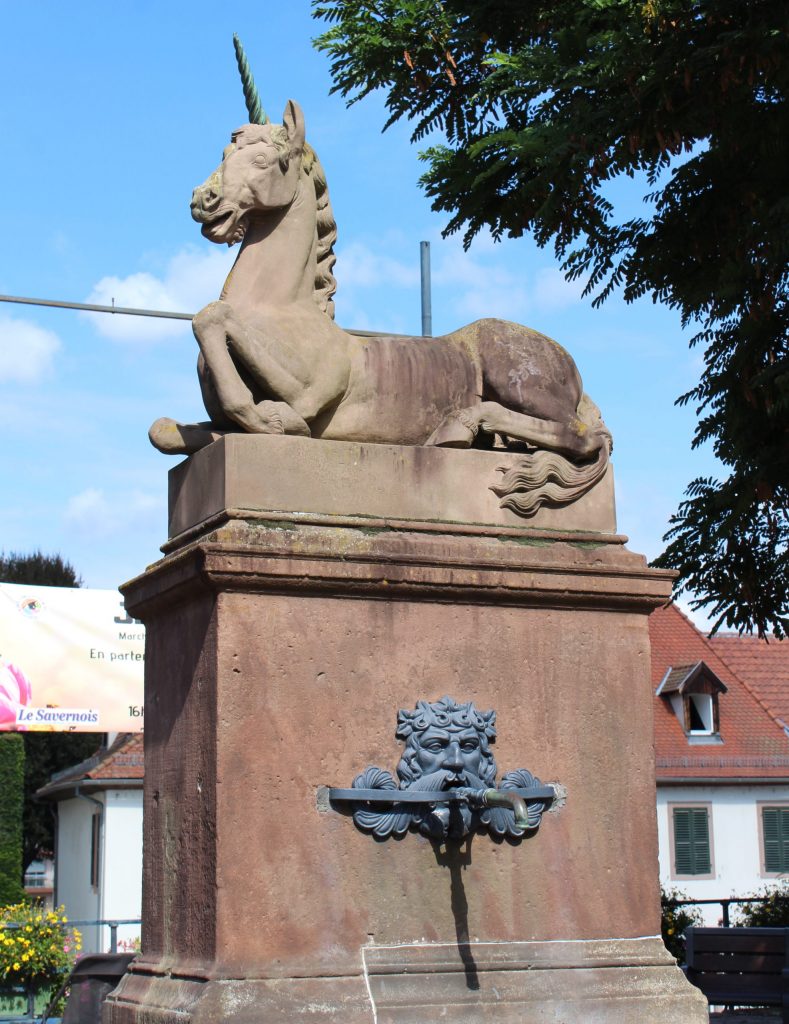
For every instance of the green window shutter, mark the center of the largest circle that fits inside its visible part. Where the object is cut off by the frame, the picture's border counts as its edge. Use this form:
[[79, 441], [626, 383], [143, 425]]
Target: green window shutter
[[683, 857], [775, 829], [692, 841], [702, 863]]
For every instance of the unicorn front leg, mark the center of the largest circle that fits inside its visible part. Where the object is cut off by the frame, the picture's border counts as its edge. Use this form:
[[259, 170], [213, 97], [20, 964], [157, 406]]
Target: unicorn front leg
[[281, 418], [219, 332], [174, 438]]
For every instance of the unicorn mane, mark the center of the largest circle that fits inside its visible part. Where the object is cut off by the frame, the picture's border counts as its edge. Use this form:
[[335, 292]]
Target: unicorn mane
[[326, 226]]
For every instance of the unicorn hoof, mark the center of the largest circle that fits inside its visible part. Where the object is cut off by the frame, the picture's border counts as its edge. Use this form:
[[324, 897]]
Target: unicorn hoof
[[456, 431], [175, 438]]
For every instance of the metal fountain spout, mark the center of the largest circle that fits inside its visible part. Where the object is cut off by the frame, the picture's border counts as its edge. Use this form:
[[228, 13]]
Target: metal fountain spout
[[505, 798], [497, 798]]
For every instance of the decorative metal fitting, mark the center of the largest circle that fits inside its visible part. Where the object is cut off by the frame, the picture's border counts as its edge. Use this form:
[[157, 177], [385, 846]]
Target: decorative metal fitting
[[447, 786]]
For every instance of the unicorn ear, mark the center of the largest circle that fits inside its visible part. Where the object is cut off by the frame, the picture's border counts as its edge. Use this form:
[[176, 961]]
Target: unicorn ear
[[293, 122]]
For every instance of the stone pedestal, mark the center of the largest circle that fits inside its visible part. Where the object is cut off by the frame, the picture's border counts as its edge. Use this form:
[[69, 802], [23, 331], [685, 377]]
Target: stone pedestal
[[310, 590]]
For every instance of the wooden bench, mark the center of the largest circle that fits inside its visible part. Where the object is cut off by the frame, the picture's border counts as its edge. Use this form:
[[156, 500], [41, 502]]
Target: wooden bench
[[740, 966]]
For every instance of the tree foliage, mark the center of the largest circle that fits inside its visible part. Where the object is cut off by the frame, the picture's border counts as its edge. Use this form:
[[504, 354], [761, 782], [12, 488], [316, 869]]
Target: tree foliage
[[12, 760], [674, 919], [45, 752], [37, 570], [541, 106]]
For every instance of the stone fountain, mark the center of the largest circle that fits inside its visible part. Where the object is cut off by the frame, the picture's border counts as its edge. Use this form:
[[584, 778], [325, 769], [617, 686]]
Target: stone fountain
[[400, 552]]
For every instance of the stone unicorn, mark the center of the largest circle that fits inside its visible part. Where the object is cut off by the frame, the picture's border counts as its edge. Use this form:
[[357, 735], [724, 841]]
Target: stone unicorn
[[273, 361]]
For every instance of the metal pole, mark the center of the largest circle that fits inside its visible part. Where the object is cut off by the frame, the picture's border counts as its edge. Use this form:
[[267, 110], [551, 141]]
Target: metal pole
[[131, 311], [427, 312], [113, 936], [92, 308]]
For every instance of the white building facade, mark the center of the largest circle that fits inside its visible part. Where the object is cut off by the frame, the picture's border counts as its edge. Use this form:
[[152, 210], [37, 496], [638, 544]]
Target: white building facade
[[98, 853], [722, 768]]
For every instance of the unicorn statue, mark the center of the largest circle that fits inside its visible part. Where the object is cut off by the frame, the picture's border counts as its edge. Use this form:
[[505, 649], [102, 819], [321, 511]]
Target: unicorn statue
[[273, 361]]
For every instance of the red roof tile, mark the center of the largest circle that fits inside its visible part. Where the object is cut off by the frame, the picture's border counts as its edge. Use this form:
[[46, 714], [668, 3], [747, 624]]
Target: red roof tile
[[754, 743], [123, 760], [763, 664]]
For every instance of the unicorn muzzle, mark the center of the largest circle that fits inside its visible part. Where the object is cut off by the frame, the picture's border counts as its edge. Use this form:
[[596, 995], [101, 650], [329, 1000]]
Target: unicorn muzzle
[[207, 199]]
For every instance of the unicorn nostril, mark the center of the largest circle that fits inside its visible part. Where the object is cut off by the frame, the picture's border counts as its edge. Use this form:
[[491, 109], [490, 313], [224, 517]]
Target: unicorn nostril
[[205, 199]]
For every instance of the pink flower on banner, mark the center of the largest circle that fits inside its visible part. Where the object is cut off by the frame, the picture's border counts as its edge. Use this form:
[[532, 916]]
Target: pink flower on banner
[[15, 693]]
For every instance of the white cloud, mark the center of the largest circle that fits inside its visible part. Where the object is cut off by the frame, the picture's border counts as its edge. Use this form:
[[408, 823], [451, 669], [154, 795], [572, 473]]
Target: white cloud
[[482, 290], [191, 279], [26, 350], [362, 267], [552, 290], [93, 511], [486, 286]]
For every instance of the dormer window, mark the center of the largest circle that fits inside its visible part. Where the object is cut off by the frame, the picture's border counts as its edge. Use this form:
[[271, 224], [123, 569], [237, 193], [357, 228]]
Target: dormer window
[[693, 691], [701, 713]]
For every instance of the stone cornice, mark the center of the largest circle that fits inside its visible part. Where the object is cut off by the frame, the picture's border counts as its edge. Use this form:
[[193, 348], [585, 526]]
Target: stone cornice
[[258, 555]]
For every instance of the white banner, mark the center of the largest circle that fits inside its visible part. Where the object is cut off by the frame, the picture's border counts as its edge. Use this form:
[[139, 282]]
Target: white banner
[[70, 660]]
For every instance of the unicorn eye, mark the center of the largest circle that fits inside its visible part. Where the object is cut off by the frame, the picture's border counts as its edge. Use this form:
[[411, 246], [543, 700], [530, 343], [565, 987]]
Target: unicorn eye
[[261, 160]]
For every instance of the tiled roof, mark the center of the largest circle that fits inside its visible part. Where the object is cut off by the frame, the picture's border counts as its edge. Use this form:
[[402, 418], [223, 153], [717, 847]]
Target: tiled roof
[[679, 677], [763, 664], [123, 760], [754, 743]]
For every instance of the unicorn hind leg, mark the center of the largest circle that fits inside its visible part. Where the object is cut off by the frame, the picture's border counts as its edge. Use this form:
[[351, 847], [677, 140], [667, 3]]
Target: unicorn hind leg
[[459, 429]]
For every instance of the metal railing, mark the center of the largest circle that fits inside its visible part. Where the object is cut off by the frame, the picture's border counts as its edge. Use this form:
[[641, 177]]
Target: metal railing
[[724, 904], [112, 923]]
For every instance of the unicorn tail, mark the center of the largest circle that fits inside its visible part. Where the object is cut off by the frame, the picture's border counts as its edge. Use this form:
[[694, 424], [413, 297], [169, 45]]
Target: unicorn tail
[[548, 478]]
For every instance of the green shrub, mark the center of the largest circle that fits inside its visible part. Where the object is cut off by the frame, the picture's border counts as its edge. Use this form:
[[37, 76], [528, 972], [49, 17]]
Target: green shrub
[[774, 913], [38, 949], [674, 920]]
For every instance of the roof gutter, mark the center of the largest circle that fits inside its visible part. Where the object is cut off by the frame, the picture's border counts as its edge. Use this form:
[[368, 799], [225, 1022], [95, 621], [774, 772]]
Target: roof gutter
[[70, 788]]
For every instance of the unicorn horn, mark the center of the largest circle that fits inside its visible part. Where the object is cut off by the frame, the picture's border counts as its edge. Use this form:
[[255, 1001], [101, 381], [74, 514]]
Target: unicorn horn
[[257, 115]]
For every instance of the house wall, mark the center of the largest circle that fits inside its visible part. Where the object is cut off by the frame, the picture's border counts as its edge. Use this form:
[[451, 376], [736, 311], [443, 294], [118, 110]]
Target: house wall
[[118, 895], [123, 863], [72, 878], [735, 840]]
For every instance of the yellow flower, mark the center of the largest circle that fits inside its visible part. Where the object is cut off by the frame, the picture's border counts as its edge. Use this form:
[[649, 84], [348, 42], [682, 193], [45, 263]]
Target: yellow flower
[[16, 967]]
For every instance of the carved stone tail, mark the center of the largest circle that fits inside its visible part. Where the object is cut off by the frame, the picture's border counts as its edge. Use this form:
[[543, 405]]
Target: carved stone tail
[[547, 478]]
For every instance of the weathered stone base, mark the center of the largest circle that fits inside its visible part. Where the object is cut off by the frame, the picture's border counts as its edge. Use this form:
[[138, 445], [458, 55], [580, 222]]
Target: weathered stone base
[[611, 981], [309, 592], [421, 488]]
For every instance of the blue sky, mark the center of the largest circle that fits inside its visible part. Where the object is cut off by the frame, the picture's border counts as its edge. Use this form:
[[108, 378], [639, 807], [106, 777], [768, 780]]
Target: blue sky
[[111, 114]]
